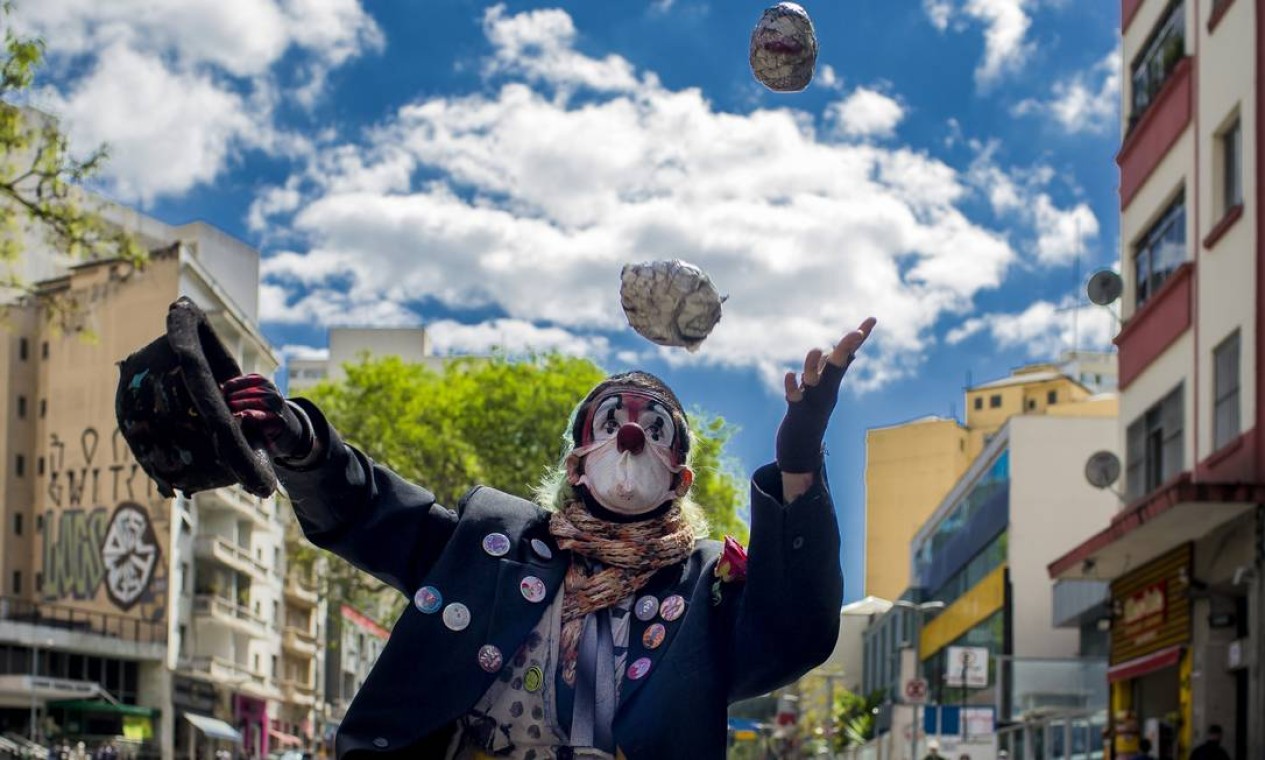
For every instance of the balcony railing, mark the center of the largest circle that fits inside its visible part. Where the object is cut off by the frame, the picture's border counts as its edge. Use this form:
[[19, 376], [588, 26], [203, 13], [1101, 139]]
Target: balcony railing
[[1149, 72], [298, 692], [299, 640], [225, 670], [228, 553], [81, 621], [301, 593], [233, 499], [217, 607]]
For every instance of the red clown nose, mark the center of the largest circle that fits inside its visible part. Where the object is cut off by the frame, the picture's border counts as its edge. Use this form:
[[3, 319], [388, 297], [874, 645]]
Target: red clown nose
[[630, 438]]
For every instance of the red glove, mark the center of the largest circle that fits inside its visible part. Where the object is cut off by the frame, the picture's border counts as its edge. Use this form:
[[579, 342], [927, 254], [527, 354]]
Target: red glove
[[265, 416]]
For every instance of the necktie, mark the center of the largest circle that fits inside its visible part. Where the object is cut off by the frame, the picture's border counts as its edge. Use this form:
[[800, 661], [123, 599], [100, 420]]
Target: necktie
[[594, 709]]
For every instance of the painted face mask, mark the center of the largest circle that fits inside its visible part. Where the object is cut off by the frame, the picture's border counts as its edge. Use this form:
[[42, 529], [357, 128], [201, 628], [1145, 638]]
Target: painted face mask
[[629, 460]]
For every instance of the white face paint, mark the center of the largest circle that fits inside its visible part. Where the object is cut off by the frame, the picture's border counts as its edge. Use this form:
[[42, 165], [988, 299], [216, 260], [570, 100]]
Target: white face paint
[[628, 464]]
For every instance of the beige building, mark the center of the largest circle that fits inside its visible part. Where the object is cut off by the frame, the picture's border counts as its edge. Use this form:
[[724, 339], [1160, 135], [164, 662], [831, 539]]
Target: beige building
[[1187, 539], [910, 467], [352, 345]]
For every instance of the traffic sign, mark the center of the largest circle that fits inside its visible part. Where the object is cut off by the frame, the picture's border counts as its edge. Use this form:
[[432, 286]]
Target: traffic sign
[[916, 691]]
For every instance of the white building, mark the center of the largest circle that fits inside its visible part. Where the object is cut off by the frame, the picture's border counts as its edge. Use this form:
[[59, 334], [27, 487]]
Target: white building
[[352, 345]]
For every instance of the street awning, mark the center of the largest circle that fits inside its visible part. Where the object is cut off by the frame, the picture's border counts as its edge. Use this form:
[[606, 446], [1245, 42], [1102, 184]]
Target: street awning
[[1125, 671], [1176, 513], [284, 739], [101, 706], [214, 728]]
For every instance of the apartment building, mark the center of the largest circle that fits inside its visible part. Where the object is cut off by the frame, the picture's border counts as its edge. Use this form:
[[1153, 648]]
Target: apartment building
[[1183, 555], [910, 467], [352, 344]]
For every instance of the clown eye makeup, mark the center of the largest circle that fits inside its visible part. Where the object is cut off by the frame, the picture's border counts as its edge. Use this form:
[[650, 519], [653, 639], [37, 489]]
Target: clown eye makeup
[[607, 418], [614, 411], [658, 426]]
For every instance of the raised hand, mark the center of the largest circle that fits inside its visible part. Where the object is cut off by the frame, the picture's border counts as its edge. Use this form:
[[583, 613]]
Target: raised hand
[[265, 416], [811, 398]]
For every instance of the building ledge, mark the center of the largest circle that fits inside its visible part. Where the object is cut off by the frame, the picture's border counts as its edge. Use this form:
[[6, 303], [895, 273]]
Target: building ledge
[[1222, 227], [1218, 13], [1155, 132], [1153, 327], [1175, 513]]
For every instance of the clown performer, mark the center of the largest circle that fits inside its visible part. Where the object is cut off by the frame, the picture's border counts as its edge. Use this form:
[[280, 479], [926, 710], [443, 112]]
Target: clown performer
[[594, 623]]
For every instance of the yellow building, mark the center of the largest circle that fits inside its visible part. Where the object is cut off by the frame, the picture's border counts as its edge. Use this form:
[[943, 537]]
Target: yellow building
[[910, 467]]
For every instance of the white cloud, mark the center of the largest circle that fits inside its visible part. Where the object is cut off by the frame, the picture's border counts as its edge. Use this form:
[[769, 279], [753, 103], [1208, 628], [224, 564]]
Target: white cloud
[[514, 336], [1023, 195], [1044, 329], [1089, 101], [178, 89], [866, 113], [1006, 24], [304, 353], [535, 200], [827, 77]]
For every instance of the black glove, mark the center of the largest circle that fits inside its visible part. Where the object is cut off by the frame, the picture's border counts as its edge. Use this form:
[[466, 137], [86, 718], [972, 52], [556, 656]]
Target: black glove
[[266, 418], [803, 429]]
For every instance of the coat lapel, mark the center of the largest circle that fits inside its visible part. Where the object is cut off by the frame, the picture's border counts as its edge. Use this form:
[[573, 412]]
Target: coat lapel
[[673, 586]]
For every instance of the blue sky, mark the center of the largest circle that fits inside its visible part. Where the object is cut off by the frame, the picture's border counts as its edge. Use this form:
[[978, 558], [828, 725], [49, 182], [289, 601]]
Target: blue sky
[[486, 169]]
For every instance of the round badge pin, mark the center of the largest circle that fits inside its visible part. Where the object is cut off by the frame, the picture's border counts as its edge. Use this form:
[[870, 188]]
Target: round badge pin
[[672, 608], [647, 607], [490, 658], [533, 679], [428, 600], [496, 544], [456, 616], [639, 669], [533, 589], [542, 549], [654, 636]]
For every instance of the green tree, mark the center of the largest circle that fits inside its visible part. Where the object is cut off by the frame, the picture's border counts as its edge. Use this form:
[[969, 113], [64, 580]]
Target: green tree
[[40, 183], [854, 718], [495, 422]]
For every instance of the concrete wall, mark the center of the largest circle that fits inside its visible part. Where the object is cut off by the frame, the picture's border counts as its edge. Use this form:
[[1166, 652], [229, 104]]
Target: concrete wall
[[908, 470], [1052, 507]]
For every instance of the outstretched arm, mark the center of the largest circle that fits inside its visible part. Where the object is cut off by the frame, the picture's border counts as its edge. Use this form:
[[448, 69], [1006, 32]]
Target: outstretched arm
[[345, 502], [810, 400], [787, 618]]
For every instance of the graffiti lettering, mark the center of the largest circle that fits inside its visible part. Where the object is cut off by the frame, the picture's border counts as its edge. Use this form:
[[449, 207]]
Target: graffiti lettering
[[72, 557]]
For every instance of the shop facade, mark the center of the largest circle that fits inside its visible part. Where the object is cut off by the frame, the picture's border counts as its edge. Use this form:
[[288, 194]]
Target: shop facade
[[1151, 656]]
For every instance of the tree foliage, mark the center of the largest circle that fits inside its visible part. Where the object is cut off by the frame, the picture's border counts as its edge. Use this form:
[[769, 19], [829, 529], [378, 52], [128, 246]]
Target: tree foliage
[[40, 182], [495, 422], [854, 718]]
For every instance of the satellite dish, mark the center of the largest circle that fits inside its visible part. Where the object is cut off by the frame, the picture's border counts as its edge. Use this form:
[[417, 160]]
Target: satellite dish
[[1102, 469], [1104, 287]]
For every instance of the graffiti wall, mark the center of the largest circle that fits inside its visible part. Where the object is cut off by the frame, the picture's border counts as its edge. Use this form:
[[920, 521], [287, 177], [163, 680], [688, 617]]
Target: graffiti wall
[[104, 527]]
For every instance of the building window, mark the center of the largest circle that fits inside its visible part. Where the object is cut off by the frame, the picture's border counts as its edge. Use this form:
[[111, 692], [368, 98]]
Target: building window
[[979, 403], [994, 401], [17, 524], [19, 466], [1231, 166], [21, 407], [184, 577], [39, 466], [22, 349], [1161, 250], [1225, 381], [1153, 445], [1032, 404], [17, 581], [1052, 397], [44, 350], [1160, 55], [43, 407], [39, 581]]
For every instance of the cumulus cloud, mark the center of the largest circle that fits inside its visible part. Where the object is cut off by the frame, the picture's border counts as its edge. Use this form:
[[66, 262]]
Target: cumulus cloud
[[866, 113], [513, 336], [1044, 329], [179, 88], [1059, 233], [1006, 24], [525, 200], [1088, 101]]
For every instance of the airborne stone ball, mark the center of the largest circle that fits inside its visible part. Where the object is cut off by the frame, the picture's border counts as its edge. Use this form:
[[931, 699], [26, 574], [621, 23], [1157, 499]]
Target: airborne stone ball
[[671, 303], [784, 48]]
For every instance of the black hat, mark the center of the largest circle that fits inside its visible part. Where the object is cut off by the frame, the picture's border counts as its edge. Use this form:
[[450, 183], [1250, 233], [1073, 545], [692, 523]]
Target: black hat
[[173, 415]]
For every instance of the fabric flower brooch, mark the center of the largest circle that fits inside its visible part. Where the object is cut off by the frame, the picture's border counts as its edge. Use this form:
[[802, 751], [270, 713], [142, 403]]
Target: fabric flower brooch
[[731, 568]]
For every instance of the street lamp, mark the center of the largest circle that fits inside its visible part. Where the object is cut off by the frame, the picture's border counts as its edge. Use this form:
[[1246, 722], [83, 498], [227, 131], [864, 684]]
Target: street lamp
[[919, 609]]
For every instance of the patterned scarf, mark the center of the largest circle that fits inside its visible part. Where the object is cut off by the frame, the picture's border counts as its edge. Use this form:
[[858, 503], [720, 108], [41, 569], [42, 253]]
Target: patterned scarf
[[629, 552]]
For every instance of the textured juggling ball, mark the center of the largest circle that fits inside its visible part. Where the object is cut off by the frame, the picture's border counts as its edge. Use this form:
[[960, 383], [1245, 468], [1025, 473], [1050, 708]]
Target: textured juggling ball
[[671, 303], [784, 48]]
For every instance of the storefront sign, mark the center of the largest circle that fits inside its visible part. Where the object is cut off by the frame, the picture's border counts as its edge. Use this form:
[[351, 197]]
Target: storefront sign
[[967, 667], [1151, 607]]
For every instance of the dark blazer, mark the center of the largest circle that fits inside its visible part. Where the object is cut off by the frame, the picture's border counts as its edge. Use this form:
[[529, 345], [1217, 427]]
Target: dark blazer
[[758, 635]]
